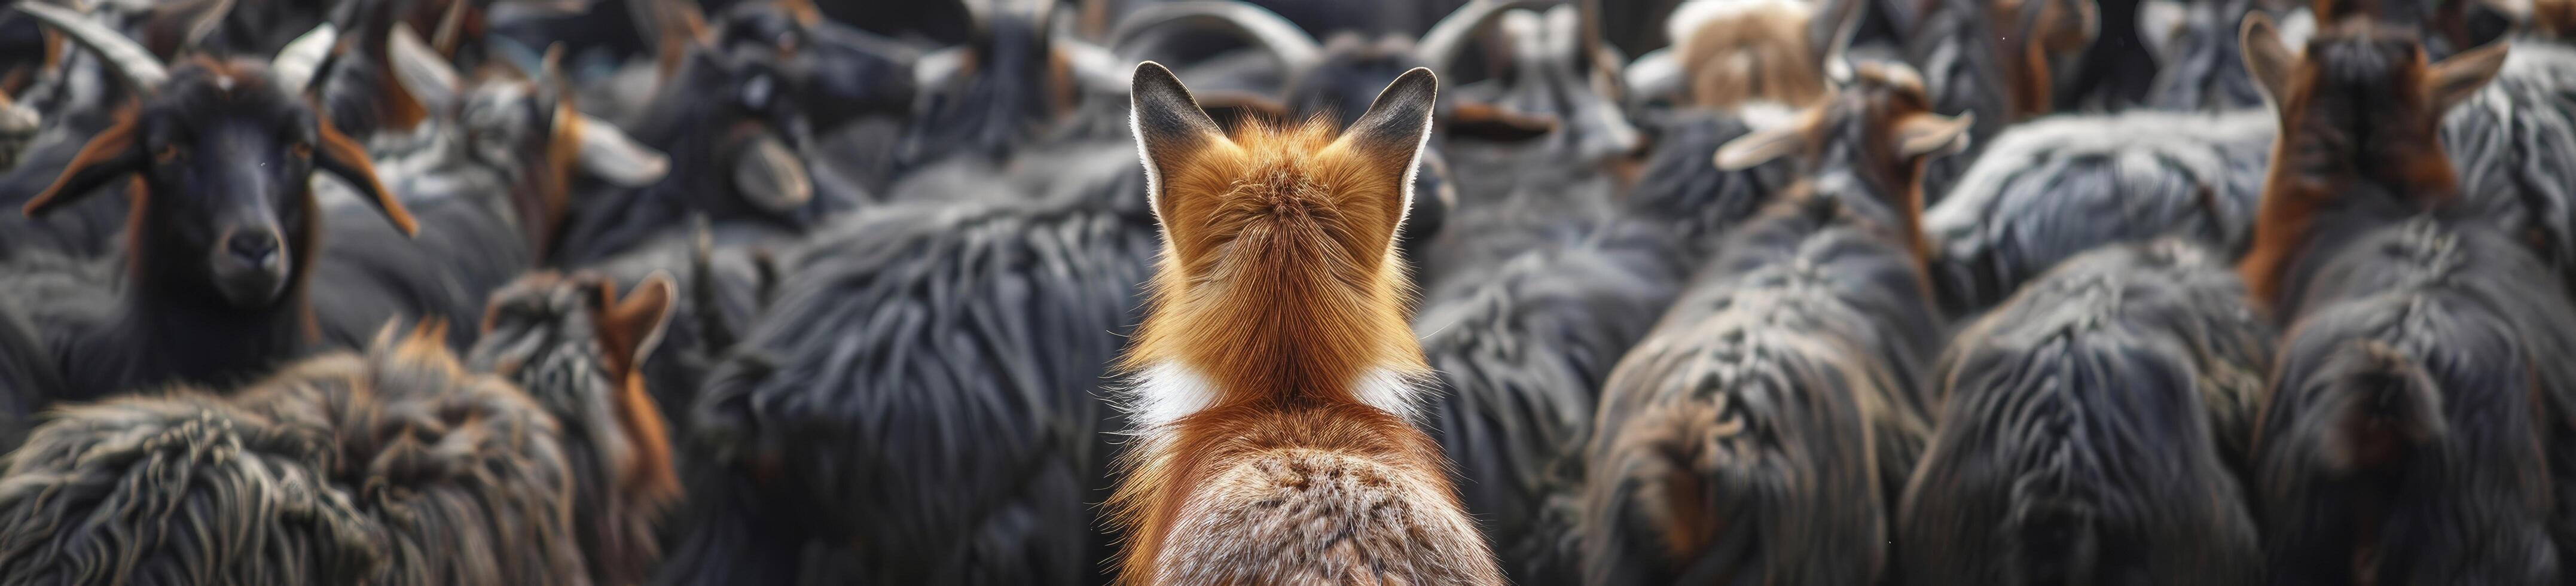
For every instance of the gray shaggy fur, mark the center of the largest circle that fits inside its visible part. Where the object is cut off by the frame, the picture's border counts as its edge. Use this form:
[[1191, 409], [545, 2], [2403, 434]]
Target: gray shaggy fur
[[183, 488], [1763, 430], [2080, 441], [2415, 427], [1522, 341], [2058, 186], [466, 476], [924, 401], [2202, 68], [544, 337], [2514, 146]]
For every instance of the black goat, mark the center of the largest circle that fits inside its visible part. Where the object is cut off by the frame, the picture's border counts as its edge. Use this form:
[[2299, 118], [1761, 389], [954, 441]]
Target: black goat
[[1994, 58], [2055, 187], [579, 350], [2409, 434], [491, 186], [1762, 431], [924, 397], [223, 230], [2085, 426]]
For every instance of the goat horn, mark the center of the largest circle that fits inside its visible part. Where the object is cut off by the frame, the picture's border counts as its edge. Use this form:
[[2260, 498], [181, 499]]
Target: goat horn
[[1442, 43], [296, 64], [205, 26], [1094, 67], [1836, 26], [1655, 74], [128, 58], [1294, 48], [450, 26]]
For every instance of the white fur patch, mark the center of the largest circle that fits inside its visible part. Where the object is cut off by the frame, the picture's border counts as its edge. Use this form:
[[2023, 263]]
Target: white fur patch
[[1690, 16], [1167, 392], [1389, 390], [224, 82], [1765, 115]]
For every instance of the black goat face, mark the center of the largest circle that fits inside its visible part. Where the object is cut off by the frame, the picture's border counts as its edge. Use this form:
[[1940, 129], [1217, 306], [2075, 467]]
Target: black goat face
[[231, 177], [1007, 86], [225, 158]]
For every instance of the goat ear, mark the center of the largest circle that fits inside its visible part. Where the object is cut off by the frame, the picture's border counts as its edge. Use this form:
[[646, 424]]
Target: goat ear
[[113, 154], [1924, 135], [2159, 21], [1396, 127], [630, 327], [1169, 126], [2456, 78], [608, 153], [1761, 146], [2269, 61], [1495, 123], [344, 158]]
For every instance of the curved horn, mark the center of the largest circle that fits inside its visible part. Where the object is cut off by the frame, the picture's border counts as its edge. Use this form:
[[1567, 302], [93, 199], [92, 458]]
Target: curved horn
[[1292, 45], [1095, 68], [1657, 73], [450, 26], [207, 23], [1444, 40], [296, 64], [122, 54], [1835, 26]]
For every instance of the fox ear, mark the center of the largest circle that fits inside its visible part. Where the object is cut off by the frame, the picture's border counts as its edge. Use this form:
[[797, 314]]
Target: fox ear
[[1395, 128], [1169, 127]]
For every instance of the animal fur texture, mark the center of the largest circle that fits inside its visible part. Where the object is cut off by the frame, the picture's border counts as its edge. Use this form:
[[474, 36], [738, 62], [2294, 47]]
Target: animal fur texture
[[1274, 372], [2086, 430], [1762, 431], [184, 488], [393, 467], [928, 388], [578, 349], [1735, 52], [2055, 187]]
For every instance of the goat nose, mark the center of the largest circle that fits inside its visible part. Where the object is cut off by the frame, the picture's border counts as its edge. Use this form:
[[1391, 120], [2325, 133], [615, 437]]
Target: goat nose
[[258, 249]]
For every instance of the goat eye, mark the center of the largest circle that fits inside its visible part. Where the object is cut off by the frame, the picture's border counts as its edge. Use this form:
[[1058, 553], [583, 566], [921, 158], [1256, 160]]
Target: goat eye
[[167, 153], [301, 149]]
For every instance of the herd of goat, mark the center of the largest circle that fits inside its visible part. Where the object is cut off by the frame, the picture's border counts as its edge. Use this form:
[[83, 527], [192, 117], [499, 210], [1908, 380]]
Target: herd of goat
[[1829, 292]]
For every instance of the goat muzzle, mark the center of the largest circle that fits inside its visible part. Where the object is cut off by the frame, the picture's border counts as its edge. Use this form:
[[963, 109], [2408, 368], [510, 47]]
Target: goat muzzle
[[250, 266]]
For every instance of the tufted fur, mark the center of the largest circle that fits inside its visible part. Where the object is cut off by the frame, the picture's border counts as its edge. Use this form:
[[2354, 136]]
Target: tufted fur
[[2086, 431]]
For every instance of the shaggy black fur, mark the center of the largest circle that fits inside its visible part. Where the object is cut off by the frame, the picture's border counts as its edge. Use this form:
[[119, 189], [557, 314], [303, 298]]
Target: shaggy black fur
[[2513, 144], [2414, 428], [2084, 433], [2056, 187], [1761, 433], [923, 402]]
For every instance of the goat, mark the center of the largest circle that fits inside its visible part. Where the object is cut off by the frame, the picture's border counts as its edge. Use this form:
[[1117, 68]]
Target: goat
[[2420, 372], [579, 350], [2085, 430], [1780, 395], [1728, 53], [1276, 448], [2052, 188], [2306, 210], [1994, 58], [491, 187], [740, 155], [180, 488], [469, 479], [223, 227], [35, 51], [973, 326]]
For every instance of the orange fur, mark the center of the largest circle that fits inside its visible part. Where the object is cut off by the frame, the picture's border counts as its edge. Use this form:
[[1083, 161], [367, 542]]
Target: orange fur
[[1280, 288], [2304, 182]]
